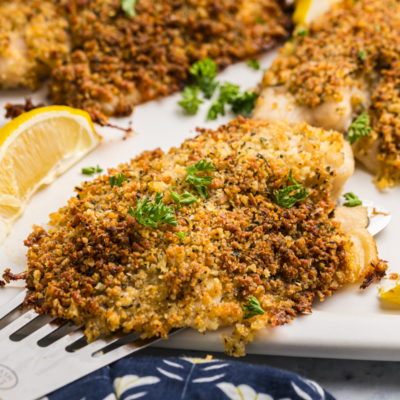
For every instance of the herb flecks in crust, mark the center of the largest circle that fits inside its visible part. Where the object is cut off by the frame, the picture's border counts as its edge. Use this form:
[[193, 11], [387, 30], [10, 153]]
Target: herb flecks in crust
[[101, 267]]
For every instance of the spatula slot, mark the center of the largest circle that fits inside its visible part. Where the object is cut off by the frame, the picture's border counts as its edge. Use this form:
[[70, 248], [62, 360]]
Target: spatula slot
[[31, 327], [66, 328]]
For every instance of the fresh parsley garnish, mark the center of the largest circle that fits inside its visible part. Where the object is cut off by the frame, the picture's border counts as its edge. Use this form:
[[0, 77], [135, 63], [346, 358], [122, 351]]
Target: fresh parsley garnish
[[149, 214], [359, 128], [217, 107], [129, 7], [181, 235], [117, 180], [88, 171], [241, 103], [362, 55], [91, 170], [204, 73], [190, 100], [228, 92], [255, 64], [352, 200], [197, 181], [244, 103], [253, 308], [283, 197], [185, 198], [259, 20]]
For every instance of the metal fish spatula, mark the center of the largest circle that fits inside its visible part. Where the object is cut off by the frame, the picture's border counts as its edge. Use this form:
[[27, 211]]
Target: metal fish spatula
[[53, 355], [39, 355]]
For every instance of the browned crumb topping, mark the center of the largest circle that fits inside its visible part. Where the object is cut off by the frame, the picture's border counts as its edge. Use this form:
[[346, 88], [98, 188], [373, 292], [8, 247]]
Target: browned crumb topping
[[99, 267], [15, 110], [393, 276], [354, 42], [120, 62]]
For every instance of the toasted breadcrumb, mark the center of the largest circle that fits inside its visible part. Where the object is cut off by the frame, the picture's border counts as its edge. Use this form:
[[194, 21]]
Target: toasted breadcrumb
[[99, 267]]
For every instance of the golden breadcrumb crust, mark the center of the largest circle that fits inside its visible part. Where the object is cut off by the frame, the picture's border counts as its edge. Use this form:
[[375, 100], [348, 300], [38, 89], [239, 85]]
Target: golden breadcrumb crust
[[353, 41], [99, 267]]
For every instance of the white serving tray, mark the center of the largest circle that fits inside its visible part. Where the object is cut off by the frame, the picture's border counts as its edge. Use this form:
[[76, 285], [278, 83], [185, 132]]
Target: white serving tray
[[352, 324]]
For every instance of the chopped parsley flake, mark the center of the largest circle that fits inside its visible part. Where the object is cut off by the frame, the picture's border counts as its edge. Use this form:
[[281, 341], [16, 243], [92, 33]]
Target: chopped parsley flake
[[197, 181], [352, 200], [117, 180], [190, 100], [204, 73], [185, 198], [149, 214], [129, 7], [91, 170], [255, 64], [88, 171], [244, 103], [181, 235], [253, 308], [362, 55], [359, 128], [284, 198], [302, 32], [217, 107]]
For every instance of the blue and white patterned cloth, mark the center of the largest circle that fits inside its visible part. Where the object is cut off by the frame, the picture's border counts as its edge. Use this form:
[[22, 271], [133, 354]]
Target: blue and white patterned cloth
[[153, 378]]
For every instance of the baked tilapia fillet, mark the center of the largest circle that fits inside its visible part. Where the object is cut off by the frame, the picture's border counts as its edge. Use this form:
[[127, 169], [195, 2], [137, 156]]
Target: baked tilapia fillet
[[33, 40], [122, 61], [342, 64], [223, 244]]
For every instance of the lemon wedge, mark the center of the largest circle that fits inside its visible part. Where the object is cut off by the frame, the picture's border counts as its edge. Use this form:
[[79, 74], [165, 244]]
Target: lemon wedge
[[307, 11], [35, 148], [391, 292]]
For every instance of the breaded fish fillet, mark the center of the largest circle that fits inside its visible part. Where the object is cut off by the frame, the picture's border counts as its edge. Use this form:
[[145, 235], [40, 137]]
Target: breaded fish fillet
[[122, 61], [101, 267], [345, 62], [33, 40]]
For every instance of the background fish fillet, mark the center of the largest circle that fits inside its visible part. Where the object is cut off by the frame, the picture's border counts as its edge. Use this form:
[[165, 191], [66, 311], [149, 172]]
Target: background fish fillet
[[343, 63]]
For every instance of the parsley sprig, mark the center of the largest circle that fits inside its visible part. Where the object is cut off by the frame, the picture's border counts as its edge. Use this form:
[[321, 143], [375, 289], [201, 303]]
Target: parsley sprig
[[117, 180], [190, 100], [283, 196], [204, 73], [359, 128], [129, 7], [253, 308], [149, 214], [185, 198], [352, 200], [200, 181]]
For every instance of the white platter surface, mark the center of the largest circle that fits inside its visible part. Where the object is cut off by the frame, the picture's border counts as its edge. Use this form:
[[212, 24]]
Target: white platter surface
[[353, 323]]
